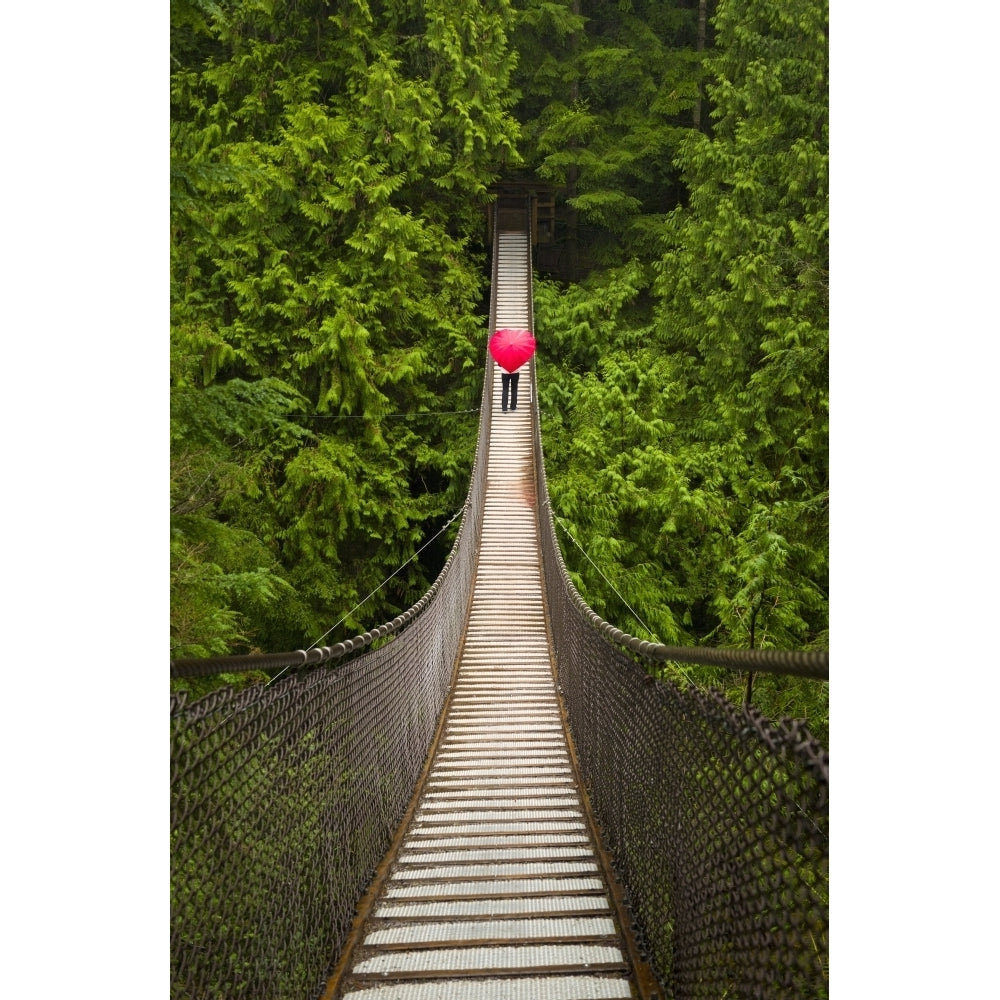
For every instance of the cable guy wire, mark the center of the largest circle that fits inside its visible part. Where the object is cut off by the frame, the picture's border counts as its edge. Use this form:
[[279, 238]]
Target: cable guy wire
[[562, 524], [386, 580], [377, 589], [384, 416]]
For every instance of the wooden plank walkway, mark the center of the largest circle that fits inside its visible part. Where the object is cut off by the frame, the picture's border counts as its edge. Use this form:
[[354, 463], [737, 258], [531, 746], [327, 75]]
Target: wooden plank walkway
[[496, 889]]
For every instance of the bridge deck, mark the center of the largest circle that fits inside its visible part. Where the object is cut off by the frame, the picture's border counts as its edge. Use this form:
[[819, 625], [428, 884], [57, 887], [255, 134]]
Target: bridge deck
[[495, 889]]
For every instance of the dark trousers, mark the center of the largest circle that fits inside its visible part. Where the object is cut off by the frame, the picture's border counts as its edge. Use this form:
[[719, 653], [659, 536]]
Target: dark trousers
[[509, 381]]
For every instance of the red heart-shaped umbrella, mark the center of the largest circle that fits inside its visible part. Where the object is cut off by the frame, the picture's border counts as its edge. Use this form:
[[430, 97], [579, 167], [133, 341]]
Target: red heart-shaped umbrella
[[511, 348]]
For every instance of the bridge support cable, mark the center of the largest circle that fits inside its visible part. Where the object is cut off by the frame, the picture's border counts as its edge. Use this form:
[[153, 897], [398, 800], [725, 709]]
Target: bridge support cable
[[285, 796], [496, 888], [666, 843], [717, 818]]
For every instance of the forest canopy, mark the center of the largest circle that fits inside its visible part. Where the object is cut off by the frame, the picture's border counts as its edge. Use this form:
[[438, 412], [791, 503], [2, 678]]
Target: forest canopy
[[330, 167]]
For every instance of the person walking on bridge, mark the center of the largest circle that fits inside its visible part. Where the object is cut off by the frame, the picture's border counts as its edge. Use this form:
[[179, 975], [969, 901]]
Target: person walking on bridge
[[511, 348], [508, 382]]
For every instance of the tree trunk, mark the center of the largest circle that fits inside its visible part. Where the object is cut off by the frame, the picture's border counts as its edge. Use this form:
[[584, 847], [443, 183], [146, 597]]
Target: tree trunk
[[702, 26], [573, 173]]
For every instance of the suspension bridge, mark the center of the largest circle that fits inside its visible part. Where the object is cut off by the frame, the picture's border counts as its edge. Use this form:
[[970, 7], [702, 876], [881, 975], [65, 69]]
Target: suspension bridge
[[491, 796]]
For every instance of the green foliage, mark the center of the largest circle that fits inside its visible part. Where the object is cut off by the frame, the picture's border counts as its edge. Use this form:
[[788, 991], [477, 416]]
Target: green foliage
[[329, 164], [606, 98], [226, 439], [685, 423], [743, 286], [328, 168]]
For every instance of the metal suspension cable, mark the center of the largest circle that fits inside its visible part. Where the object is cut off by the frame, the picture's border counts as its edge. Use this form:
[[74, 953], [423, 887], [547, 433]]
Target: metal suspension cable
[[383, 416], [586, 556], [802, 663], [314, 654], [398, 569]]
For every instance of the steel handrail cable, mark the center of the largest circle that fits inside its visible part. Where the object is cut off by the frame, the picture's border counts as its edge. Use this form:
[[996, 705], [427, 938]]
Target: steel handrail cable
[[284, 796], [814, 664], [715, 816], [314, 656]]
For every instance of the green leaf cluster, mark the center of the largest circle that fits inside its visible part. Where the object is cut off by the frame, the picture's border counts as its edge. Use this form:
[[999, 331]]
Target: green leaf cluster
[[686, 392], [329, 169], [607, 94]]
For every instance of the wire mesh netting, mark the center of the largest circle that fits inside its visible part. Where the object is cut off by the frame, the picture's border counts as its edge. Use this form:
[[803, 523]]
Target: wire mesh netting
[[285, 797], [284, 800], [716, 817]]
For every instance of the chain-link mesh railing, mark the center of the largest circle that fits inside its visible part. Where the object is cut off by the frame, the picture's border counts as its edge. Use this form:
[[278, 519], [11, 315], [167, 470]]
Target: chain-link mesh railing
[[716, 818], [285, 797]]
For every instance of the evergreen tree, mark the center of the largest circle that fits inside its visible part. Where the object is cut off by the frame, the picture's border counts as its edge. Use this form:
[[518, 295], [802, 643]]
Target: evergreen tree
[[685, 399], [330, 164], [744, 286], [608, 92]]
